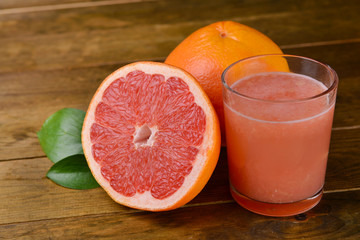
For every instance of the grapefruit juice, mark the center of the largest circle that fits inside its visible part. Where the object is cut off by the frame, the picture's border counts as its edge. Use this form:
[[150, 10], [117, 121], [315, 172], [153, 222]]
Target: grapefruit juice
[[278, 137]]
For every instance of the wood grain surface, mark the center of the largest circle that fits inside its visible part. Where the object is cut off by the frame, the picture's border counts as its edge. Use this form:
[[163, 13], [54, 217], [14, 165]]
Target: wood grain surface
[[54, 54], [50, 90], [336, 217]]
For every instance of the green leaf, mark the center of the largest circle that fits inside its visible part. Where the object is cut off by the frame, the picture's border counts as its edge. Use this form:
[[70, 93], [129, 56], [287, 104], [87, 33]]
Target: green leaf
[[60, 136], [72, 172]]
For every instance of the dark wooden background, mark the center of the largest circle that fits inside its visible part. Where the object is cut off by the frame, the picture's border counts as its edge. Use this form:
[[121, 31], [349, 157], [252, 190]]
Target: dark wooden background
[[54, 54]]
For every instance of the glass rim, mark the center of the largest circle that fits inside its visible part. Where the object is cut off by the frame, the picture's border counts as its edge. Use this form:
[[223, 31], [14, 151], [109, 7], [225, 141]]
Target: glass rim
[[331, 71]]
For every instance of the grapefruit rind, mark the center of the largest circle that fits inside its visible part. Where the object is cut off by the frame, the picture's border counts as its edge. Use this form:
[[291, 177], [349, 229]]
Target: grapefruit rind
[[203, 165], [208, 51]]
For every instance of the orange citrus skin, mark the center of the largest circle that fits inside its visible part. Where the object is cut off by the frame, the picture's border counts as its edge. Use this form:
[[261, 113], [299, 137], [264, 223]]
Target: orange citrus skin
[[208, 51], [208, 154]]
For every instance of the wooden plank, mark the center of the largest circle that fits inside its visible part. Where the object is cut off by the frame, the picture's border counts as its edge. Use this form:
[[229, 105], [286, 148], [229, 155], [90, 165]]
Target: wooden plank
[[177, 12], [19, 125], [28, 98], [23, 113], [23, 183], [336, 217], [20, 6], [343, 170], [30, 3], [122, 33]]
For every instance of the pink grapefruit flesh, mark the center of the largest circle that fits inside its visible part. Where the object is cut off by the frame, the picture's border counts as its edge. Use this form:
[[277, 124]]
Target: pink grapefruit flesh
[[151, 136]]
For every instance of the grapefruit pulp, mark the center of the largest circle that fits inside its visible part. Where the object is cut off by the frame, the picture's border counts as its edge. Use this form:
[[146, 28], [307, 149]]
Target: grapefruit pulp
[[151, 136]]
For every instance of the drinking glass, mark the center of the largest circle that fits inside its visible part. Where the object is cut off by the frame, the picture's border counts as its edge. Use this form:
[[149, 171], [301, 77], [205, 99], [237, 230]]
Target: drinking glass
[[278, 138]]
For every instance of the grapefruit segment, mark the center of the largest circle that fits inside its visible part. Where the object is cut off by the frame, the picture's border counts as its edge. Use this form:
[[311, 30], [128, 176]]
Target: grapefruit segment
[[151, 136]]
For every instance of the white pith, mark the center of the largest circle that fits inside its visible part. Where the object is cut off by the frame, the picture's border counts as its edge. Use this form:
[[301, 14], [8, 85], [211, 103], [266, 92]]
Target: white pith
[[151, 139], [145, 200]]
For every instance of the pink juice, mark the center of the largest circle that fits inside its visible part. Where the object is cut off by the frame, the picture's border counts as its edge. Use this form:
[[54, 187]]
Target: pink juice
[[278, 147]]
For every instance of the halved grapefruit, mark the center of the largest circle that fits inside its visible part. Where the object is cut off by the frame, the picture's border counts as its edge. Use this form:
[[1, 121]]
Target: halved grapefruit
[[151, 136]]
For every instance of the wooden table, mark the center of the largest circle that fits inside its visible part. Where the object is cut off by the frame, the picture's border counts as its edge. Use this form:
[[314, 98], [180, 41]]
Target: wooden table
[[55, 54]]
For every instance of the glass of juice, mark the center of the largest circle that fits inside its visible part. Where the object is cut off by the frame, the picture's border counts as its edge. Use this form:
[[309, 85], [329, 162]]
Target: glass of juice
[[278, 116]]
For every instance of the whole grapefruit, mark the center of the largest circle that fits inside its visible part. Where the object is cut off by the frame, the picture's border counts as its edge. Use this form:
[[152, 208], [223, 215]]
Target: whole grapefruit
[[208, 51]]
